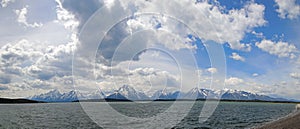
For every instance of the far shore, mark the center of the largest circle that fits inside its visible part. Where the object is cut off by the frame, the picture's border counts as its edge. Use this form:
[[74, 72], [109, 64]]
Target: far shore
[[221, 100], [291, 121], [17, 101], [20, 101]]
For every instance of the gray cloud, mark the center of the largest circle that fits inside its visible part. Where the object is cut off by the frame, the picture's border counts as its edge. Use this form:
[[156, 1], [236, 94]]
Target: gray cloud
[[14, 58], [112, 40], [4, 79], [82, 9], [37, 83], [295, 75], [29, 66], [34, 67], [3, 87]]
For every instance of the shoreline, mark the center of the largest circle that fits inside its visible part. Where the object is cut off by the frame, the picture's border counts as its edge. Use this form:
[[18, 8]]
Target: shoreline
[[290, 121]]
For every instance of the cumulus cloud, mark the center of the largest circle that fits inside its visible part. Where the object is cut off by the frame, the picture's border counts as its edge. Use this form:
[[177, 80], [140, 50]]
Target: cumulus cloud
[[56, 62], [4, 3], [156, 78], [153, 71], [14, 58], [3, 88], [295, 75], [212, 70], [143, 79], [26, 67], [37, 84], [214, 25], [280, 49], [4, 79], [211, 20], [233, 81], [68, 19], [45, 67], [81, 10], [163, 30], [22, 18], [32, 65], [236, 56], [255, 74], [258, 34], [288, 9]]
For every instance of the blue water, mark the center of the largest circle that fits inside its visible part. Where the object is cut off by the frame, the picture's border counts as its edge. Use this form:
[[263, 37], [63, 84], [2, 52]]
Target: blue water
[[71, 115]]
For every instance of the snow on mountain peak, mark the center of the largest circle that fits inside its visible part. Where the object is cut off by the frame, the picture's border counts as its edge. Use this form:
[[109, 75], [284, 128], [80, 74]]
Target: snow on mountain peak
[[129, 93], [56, 96]]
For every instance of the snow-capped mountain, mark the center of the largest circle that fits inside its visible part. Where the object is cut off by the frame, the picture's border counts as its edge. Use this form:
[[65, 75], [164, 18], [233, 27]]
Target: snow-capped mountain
[[243, 95], [94, 95], [165, 94], [128, 92], [55, 96], [51, 96], [116, 96], [197, 93]]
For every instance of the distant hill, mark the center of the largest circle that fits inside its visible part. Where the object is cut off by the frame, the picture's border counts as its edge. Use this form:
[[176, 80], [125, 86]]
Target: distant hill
[[12, 101], [127, 93]]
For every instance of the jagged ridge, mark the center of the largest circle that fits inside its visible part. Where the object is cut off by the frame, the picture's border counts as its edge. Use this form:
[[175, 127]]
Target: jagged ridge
[[129, 93]]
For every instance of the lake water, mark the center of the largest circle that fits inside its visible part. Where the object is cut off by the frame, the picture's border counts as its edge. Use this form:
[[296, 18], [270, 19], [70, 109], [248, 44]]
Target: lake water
[[71, 115]]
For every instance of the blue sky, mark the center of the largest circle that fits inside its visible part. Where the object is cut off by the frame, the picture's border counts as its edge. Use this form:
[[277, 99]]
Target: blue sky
[[244, 45]]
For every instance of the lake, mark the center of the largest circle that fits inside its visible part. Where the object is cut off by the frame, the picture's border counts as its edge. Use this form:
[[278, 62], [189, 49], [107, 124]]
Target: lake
[[71, 115]]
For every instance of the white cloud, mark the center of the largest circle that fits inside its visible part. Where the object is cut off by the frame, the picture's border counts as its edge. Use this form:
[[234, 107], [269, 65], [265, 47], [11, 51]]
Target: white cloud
[[288, 9], [236, 56], [50, 33], [295, 75], [16, 57], [258, 34], [212, 70], [82, 10], [145, 79], [280, 49], [27, 67], [50, 66], [151, 72], [65, 17], [233, 81], [22, 18], [4, 3], [108, 3], [168, 34], [71, 23], [255, 74], [33, 64], [212, 21]]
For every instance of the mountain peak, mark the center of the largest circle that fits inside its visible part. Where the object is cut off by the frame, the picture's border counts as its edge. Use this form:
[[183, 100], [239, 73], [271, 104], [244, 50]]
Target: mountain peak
[[129, 93], [127, 88], [56, 96], [166, 94], [55, 91]]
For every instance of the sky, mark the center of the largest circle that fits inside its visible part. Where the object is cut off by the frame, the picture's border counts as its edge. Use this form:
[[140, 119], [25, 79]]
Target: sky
[[149, 45]]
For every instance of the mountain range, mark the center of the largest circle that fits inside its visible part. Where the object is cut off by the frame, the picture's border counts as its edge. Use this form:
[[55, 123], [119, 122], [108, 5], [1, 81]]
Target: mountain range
[[56, 96], [129, 93]]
